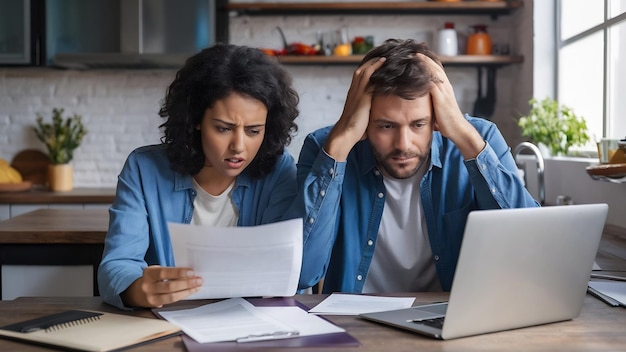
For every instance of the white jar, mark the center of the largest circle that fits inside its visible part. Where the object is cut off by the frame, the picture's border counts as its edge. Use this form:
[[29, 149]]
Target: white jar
[[448, 44]]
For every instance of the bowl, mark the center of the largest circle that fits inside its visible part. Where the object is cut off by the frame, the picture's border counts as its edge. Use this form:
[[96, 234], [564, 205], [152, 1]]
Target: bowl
[[16, 187]]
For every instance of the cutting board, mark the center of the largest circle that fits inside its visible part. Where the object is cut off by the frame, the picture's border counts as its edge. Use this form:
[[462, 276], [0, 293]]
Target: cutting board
[[33, 165]]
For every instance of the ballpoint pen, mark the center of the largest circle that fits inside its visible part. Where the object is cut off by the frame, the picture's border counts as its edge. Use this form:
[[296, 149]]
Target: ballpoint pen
[[268, 336]]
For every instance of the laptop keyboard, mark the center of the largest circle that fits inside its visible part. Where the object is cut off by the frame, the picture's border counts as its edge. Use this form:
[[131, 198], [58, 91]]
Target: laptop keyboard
[[435, 322]]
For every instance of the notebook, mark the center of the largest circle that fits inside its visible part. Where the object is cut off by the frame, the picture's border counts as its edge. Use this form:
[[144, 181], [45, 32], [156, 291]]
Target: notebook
[[83, 330], [517, 268]]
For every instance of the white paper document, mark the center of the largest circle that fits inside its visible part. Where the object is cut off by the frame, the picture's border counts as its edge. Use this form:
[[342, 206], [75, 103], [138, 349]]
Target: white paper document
[[614, 290], [347, 304], [250, 261], [236, 319]]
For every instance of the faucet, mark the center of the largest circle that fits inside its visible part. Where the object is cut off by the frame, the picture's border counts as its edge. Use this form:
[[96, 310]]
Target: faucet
[[540, 166]]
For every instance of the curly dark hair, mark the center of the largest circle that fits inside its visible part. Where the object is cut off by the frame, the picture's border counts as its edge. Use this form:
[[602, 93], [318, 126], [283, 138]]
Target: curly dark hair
[[213, 74], [401, 74]]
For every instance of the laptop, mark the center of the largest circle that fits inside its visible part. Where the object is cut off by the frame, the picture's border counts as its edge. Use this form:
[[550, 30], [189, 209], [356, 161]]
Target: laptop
[[517, 268]]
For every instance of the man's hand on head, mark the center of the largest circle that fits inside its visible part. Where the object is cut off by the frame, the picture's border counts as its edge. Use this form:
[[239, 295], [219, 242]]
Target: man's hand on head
[[449, 119], [352, 124]]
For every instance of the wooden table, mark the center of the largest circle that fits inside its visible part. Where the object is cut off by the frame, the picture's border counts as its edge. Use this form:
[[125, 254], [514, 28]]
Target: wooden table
[[75, 196], [598, 328], [54, 237]]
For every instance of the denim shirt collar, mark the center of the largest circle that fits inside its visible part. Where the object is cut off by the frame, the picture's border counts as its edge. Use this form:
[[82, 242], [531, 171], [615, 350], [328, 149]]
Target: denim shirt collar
[[183, 182], [436, 150]]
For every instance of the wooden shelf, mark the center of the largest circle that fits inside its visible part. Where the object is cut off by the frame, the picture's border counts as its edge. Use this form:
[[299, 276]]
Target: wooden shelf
[[467, 7], [461, 60], [493, 8]]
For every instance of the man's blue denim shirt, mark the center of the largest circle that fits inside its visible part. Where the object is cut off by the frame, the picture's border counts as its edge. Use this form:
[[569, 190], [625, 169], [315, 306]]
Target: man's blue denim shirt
[[342, 204]]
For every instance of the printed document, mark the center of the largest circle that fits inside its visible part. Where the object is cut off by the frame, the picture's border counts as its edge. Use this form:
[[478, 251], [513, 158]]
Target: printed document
[[614, 290], [250, 261], [238, 320], [349, 304]]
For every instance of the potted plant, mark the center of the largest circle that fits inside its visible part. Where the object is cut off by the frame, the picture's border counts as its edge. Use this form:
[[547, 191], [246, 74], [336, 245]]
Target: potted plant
[[61, 138], [554, 125]]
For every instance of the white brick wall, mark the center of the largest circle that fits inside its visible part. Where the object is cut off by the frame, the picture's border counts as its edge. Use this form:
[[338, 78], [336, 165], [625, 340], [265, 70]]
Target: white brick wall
[[119, 110], [119, 107]]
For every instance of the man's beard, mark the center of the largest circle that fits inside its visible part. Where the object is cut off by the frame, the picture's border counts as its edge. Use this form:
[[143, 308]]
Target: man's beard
[[390, 167]]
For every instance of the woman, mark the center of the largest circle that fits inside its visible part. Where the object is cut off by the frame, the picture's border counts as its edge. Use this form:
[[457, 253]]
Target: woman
[[229, 114]]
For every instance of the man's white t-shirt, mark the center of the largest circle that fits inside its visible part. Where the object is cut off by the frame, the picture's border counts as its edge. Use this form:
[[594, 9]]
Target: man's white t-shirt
[[214, 210], [403, 260]]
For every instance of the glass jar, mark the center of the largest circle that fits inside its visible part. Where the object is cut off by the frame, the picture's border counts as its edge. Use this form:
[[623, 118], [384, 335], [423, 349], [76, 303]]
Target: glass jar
[[479, 42]]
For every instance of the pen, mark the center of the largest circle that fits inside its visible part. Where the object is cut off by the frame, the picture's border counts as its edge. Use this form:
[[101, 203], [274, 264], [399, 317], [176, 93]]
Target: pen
[[268, 336]]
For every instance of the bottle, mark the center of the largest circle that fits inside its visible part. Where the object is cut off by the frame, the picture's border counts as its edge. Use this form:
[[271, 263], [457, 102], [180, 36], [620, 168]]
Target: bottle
[[479, 43], [448, 44]]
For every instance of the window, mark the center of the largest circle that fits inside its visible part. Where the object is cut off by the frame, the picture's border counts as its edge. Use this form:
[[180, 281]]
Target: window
[[591, 52]]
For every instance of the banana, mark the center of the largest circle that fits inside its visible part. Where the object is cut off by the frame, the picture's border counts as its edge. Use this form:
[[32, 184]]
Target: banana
[[9, 174]]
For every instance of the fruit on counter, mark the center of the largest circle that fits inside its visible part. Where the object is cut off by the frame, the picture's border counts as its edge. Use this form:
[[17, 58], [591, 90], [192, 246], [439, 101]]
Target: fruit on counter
[[8, 174], [296, 48], [273, 52], [343, 49], [301, 49]]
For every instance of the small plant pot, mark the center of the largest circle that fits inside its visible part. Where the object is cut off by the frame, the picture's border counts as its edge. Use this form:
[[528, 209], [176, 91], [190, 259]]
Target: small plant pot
[[60, 177]]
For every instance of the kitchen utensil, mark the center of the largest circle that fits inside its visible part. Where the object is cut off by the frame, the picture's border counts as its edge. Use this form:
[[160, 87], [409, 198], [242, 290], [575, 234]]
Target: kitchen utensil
[[607, 170], [16, 187], [485, 103], [33, 165]]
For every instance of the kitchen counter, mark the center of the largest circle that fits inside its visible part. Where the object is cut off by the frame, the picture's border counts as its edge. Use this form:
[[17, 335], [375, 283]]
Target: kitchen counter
[[77, 195]]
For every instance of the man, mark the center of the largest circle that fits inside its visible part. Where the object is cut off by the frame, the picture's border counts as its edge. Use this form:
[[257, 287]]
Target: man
[[385, 192]]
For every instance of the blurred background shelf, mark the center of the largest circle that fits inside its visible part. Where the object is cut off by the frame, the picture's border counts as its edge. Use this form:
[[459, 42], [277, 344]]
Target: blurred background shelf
[[493, 8], [460, 60]]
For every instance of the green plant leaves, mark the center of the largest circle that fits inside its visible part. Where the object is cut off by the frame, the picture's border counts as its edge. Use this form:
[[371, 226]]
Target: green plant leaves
[[554, 125], [62, 136]]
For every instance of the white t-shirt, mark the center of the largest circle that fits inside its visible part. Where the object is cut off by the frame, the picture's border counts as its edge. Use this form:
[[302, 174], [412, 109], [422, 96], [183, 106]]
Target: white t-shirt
[[214, 210], [403, 260]]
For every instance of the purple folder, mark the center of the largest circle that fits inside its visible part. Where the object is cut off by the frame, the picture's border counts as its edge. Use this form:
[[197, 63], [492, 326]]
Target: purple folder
[[340, 339]]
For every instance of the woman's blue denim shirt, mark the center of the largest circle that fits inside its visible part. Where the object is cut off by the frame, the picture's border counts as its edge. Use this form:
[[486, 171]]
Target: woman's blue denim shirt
[[150, 194]]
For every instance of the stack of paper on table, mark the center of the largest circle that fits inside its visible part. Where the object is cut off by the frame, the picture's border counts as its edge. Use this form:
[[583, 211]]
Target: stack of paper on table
[[238, 320], [613, 293]]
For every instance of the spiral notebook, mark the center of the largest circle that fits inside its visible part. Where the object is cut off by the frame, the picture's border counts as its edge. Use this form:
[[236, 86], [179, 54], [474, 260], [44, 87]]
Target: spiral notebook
[[83, 330]]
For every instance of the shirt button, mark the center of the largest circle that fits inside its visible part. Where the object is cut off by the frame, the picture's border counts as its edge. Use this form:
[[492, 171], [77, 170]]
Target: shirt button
[[493, 190], [380, 195], [331, 171], [370, 242], [322, 193], [376, 172], [359, 277], [436, 257], [311, 220], [483, 166]]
